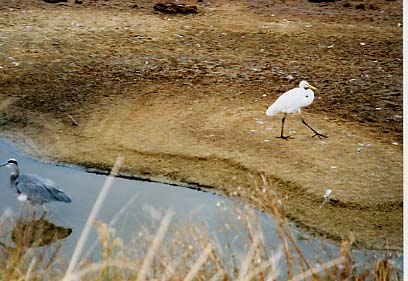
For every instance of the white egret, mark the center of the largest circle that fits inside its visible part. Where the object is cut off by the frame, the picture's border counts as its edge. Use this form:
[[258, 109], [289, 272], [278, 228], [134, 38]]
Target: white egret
[[291, 102]]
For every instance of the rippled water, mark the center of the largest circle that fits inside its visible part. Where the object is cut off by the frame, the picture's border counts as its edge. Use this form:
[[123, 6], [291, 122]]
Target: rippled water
[[147, 201]]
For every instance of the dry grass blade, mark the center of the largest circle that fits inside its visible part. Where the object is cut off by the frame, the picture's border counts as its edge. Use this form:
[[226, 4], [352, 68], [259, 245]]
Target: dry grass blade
[[98, 266], [92, 216], [317, 269], [170, 268], [30, 269], [155, 245], [281, 231], [218, 276], [111, 223], [272, 262], [247, 260], [199, 262]]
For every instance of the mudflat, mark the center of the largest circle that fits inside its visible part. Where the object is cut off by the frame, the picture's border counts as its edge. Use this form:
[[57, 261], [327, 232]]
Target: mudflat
[[183, 99]]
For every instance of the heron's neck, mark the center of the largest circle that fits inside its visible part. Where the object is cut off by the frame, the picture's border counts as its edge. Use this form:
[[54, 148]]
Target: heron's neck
[[14, 175]]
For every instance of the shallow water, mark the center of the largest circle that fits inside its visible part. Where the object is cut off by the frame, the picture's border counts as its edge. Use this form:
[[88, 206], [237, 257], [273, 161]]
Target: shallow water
[[147, 202]]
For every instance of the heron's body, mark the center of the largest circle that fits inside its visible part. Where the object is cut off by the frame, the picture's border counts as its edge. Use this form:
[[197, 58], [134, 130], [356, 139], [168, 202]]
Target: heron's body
[[291, 102], [38, 190], [33, 188]]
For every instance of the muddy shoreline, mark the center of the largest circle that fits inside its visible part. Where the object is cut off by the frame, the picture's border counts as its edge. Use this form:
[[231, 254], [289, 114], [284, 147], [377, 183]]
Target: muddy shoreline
[[182, 98]]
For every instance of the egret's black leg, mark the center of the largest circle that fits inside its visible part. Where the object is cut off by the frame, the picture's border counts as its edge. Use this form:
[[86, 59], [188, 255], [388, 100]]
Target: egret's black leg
[[283, 122], [316, 132]]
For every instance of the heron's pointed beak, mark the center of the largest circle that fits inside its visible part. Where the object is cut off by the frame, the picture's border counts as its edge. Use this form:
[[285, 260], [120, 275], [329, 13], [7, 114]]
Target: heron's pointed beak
[[2, 165]]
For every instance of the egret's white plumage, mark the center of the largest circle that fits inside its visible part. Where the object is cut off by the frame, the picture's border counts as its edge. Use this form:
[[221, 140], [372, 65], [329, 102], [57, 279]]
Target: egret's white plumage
[[291, 102]]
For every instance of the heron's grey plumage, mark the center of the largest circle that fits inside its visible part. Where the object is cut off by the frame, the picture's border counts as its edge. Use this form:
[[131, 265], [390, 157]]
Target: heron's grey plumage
[[34, 188], [39, 190]]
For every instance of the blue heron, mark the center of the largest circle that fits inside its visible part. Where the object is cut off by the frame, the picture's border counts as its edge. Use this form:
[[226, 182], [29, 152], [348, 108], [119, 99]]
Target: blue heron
[[292, 101], [33, 188]]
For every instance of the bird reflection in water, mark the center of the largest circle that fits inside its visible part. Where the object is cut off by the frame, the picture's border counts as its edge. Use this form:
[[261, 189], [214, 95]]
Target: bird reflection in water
[[37, 233], [32, 233]]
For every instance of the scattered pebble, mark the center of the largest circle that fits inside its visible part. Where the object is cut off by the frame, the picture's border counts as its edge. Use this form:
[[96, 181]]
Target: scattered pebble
[[15, 63], [359, 149], [265, 140], [395, 143], [333, 167], [362, 44], [378, 108]]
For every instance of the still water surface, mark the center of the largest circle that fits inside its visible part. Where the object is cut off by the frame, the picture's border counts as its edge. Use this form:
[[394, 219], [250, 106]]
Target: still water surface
[[146, 202]]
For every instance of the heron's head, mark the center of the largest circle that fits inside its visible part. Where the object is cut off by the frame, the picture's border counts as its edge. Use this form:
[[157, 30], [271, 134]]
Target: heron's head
[[305, 85], [10, 163]]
